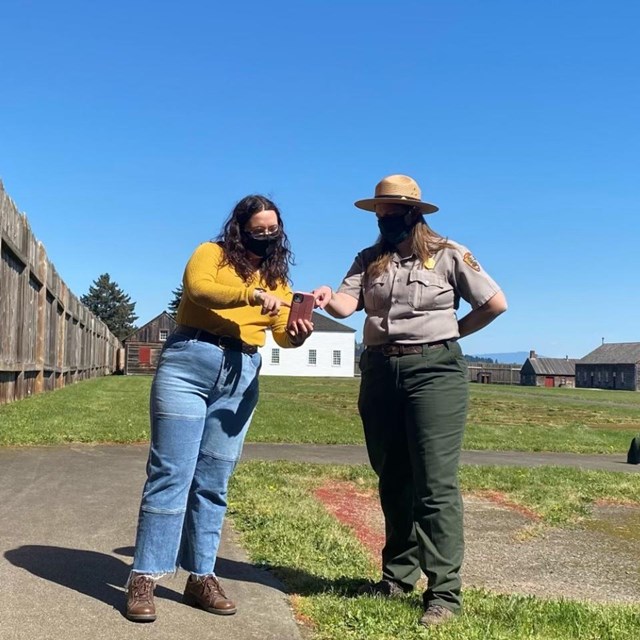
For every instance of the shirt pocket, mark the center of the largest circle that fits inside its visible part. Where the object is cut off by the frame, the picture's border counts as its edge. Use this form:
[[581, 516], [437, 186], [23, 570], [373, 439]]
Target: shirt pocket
[[428, 291], [376, 292]]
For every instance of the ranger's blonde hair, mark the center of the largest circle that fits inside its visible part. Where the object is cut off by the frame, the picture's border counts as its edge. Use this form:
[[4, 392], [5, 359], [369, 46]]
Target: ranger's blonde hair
[[425, 244]]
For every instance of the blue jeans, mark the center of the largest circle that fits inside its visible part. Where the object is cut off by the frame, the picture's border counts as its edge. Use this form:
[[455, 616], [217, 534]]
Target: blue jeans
[[202, 401]]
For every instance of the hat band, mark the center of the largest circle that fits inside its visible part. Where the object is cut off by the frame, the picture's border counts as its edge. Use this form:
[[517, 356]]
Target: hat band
[[398, 198]]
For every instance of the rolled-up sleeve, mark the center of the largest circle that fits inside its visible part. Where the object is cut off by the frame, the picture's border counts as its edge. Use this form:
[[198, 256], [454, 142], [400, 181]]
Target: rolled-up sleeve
[[471, 281], [352, 282]]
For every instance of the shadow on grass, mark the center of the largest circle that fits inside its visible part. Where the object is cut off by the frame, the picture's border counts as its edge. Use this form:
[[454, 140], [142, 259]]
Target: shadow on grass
[[306, 584]]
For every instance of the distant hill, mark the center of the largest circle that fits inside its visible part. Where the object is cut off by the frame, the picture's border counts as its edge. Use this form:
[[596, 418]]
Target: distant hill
[[515, 357]]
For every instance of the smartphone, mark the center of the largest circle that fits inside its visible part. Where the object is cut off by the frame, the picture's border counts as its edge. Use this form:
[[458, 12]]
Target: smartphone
[[302, 306]]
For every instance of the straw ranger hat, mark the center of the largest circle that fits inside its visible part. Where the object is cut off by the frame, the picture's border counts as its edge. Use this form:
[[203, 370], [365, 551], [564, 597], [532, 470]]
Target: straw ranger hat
[[397, 189]]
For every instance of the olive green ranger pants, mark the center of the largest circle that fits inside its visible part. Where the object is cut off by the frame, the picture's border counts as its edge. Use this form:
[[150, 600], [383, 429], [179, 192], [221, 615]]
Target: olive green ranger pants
[[413, 409]]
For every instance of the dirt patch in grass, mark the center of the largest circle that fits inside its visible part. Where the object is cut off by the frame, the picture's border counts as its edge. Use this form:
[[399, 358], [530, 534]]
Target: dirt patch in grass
[[597, 561], [305, 622], [358, 509], [619, 521], [608, 426], [499, 498]]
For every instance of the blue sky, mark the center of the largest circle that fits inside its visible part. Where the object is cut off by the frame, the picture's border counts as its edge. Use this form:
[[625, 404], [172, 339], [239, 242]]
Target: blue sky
[[129, 130]]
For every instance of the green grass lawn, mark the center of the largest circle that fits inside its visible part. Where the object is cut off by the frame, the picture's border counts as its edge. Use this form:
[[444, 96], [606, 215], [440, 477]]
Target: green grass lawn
[[286, 530], [109, 409], [323, 410], [319, 559]]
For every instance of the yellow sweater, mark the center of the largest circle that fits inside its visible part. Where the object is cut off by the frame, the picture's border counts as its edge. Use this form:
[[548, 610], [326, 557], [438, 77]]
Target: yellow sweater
[[217, 300]]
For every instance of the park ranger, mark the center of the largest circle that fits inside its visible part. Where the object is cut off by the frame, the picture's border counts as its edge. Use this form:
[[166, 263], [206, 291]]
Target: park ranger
[[414, 389]]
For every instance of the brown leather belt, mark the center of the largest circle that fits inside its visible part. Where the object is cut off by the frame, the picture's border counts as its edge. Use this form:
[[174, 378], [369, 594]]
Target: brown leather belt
[[396, 349], [224, 342]]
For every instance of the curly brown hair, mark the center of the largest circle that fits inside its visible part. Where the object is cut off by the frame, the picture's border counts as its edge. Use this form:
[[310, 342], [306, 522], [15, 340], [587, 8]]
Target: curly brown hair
[[274, 269]]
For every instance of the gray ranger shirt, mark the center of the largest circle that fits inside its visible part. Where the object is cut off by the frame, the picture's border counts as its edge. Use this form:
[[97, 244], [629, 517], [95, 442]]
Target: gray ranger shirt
[[411, 302]]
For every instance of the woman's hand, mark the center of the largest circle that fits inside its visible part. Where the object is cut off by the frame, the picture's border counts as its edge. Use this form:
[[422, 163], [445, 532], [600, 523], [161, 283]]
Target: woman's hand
[[270, 304], [299, 331], [338, 305], [323, 295]]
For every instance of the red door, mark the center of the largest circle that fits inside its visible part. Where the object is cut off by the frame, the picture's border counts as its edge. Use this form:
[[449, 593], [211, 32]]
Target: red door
[[548, 381]]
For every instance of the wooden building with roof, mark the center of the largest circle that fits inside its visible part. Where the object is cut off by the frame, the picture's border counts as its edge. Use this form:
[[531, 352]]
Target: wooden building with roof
[[615, 365], [548, 372], [493, 373], [142, 348]]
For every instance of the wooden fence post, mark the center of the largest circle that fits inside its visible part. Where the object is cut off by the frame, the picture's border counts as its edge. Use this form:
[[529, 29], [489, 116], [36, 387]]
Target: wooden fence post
[[47, 337]]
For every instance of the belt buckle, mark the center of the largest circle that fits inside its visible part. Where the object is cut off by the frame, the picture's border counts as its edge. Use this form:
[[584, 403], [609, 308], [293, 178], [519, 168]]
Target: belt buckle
[[388, 349], [224, 342]]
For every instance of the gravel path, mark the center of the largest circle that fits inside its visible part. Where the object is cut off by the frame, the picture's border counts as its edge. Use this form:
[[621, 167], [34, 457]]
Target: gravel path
[[510, 552]]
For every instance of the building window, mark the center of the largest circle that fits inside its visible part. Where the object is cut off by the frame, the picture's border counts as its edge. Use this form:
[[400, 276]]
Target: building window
[[599, 376], [313, 357], [164, 334], [337, 358], [275, 356], [622, 376], [606, 376]]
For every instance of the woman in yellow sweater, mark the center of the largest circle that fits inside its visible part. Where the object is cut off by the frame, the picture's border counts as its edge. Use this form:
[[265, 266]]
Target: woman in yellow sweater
[[202, 399]]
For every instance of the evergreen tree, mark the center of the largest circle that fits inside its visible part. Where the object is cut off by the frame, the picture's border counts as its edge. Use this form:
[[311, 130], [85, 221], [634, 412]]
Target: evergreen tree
[[175, 302], [481, 359], [112, 305]]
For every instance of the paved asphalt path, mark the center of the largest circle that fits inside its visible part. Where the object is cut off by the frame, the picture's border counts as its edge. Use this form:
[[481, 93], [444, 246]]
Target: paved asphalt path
[[356, 454], [67, 526]]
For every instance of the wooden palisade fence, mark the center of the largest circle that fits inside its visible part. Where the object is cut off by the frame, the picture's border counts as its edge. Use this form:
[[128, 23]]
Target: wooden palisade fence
[[48, 338]]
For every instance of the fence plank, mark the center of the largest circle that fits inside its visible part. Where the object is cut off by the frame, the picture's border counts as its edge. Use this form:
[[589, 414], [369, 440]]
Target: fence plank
[[48, 338]]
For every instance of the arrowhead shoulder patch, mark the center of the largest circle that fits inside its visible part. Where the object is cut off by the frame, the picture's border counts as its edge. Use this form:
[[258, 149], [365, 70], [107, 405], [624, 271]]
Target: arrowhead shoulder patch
[[471, 261]]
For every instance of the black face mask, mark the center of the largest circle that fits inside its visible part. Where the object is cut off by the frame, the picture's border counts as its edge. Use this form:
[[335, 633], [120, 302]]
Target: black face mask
[[395, 229], [262, 247]]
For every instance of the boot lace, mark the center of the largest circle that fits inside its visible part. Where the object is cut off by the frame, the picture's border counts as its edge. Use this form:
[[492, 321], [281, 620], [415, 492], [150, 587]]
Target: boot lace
[[142, 588], [212, 587]]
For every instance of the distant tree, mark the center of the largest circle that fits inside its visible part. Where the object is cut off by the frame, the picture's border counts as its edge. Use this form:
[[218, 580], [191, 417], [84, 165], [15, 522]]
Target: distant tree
[[479, 359], [112, 305], [175, 302]]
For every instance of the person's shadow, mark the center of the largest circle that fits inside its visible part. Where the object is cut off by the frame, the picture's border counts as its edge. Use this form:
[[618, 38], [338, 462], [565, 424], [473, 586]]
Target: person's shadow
[[102, 576], [94, 574]]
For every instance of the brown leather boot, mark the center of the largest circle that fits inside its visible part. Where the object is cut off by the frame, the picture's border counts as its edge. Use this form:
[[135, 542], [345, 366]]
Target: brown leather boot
[[140, 605], [207, 593]]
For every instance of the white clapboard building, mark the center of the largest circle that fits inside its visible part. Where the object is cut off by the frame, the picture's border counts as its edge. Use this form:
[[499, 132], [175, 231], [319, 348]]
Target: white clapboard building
[[328, 352]]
